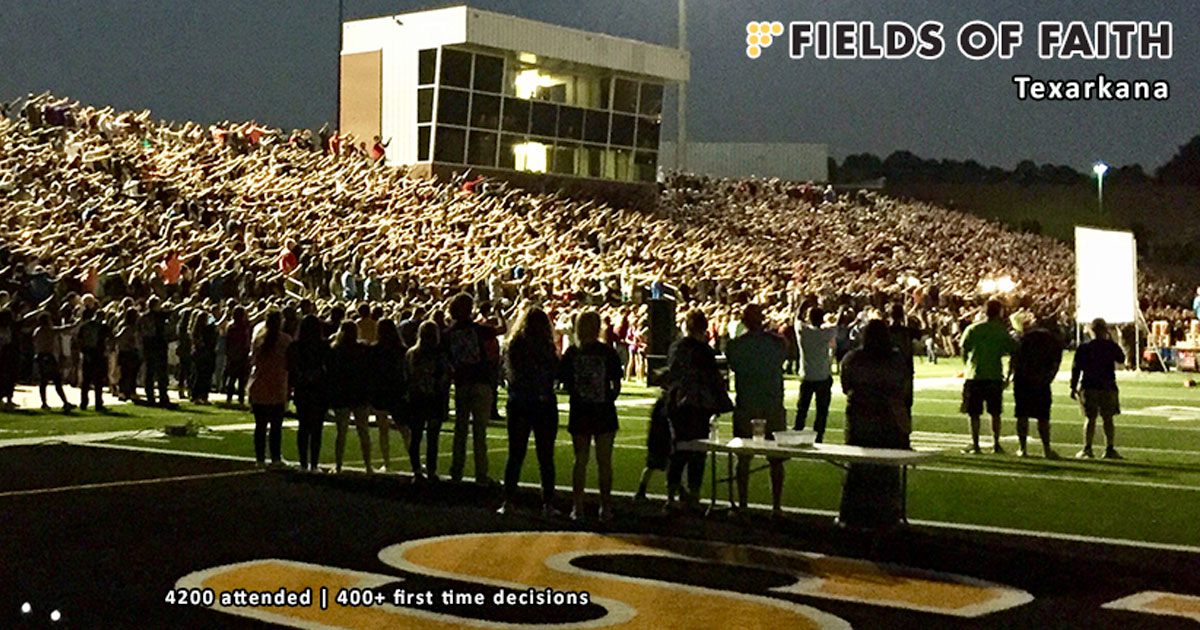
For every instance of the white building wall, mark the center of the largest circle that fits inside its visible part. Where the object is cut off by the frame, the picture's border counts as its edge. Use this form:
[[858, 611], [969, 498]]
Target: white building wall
[[789, 161], [399, 104]]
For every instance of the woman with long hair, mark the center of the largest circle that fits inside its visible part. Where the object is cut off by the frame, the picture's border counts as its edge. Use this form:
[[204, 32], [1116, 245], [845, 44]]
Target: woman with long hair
[[591, 372], [428, 380], [350, 392], [269, 387], [129, 359], [530, 363], [877, 380], [308, 375], [388, 386]]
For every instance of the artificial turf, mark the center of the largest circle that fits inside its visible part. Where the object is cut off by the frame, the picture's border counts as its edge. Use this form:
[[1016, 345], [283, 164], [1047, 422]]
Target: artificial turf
[[1150, 496]]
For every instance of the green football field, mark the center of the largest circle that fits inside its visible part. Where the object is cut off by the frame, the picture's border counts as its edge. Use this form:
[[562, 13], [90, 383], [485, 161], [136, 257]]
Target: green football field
[[1153, 495]]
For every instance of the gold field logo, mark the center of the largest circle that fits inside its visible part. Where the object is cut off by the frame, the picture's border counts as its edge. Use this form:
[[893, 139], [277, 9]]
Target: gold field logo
[[759, 35]]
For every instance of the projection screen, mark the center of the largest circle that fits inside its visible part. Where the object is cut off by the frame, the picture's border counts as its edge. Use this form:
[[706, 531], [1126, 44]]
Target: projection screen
[[1105, 275]]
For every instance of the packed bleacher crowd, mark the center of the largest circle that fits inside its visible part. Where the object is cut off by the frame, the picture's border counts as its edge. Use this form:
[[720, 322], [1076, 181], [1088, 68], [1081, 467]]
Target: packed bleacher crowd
[[136, 251]]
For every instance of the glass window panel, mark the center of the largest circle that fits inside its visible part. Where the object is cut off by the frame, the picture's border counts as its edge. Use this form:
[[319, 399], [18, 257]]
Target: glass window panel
[[532, 156], [427, 66], [652, 99], [647, 133], [450, 145], [423, 133], [489, 73], [516, 115], [605, 89], [482, 148], [595, 126], [456, 68], [556, 93], [622, 130], [564, 158], [570, 122], [508, 151], [617, 164], [544, 119], [625, 95], [425, 105], [590, 161], [645, 164], [485, 111], [452, 106]]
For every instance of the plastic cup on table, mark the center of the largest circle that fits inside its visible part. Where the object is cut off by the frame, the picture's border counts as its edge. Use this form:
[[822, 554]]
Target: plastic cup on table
[[758, 428]]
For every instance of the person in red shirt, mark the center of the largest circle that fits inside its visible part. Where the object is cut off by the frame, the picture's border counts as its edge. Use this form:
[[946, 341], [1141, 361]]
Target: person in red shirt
[[379, 150], [287, 262]]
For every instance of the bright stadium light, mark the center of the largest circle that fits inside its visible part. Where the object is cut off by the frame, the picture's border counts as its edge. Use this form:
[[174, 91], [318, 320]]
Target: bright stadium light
[[1100, 168]]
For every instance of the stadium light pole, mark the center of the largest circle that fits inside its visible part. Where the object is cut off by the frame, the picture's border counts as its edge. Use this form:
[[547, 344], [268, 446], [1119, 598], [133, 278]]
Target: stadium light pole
[[1100, 168], [337, 94], [681, 115]]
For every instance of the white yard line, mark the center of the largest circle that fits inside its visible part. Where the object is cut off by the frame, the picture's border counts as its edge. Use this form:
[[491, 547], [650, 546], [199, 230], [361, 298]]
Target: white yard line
[[122, 484]]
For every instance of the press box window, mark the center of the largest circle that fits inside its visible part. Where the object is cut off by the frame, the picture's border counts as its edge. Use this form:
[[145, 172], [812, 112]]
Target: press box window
[[652, 99], [570, 122], [595, 126], [427, 66], [453, 106], [450, 145], [482, 149], [622, 130], [489, 74], [644, 165], [647, 133], [425, 105], [564, 158], [516, 115], [485, 111], [423, 143], [456, 68], [544, 119], [508, 151], [625, 94]]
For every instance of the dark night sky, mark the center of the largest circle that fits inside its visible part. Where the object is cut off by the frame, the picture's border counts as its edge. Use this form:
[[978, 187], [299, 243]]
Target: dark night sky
[[275, 61]]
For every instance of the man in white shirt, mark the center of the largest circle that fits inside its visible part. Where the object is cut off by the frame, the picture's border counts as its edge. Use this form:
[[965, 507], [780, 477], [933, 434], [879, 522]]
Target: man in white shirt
[[815, 340]]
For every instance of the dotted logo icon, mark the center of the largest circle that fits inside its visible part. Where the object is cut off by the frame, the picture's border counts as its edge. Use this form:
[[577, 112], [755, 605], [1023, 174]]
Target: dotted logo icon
[[759, 35]]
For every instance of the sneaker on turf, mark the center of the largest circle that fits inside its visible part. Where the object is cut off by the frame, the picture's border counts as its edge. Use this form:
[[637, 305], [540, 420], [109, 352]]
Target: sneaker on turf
[[576, 515], [1022, 453], [504, 508], [1084, 454], [67, 407], [1052, 454], [605, 515], [549, 511], [45, 407], [1112, 454], [972, 450], [997, 449]]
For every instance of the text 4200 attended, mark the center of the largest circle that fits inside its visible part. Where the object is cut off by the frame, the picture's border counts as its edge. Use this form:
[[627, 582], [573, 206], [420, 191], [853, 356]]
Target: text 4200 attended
[[1099, 89]]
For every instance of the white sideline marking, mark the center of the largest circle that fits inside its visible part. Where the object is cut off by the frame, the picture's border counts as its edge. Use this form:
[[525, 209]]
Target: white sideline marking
[[119, 484]]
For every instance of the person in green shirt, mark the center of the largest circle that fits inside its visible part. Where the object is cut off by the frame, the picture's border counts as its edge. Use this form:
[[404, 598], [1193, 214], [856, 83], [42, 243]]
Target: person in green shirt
[[984, 344], [756, 358]]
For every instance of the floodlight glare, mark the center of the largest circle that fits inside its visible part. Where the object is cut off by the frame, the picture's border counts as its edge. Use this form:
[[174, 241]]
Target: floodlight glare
[[26, 608], [1100, 168]]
